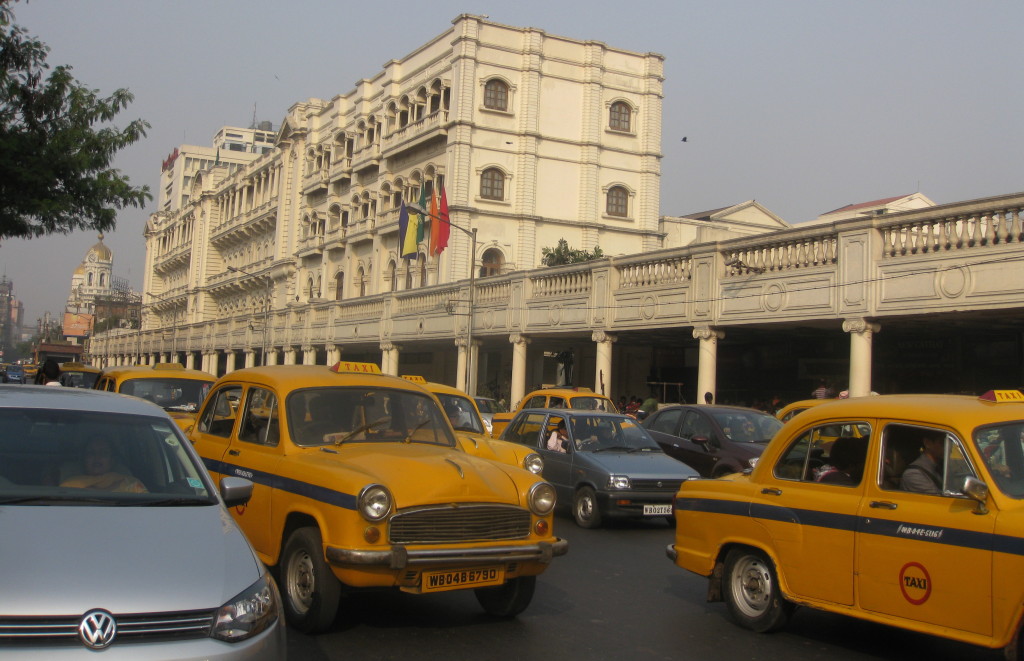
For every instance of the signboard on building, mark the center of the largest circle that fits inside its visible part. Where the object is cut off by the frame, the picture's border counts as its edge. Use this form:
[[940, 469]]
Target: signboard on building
[[77, 324]]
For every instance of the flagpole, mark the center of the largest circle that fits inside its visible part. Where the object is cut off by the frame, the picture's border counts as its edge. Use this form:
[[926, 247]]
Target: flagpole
[[470, 375]]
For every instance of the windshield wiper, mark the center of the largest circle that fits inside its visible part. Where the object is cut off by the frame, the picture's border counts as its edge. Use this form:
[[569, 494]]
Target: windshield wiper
[[362, 428], [614, 447], [55, 499], [177, 501], [408, 437]]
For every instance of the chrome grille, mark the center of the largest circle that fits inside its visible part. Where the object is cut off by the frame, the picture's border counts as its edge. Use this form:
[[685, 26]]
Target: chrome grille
[[653, 485], [459, 523], [135, 627]]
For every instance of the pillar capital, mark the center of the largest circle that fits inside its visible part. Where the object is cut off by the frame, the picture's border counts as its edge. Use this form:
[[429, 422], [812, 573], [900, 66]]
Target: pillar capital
[[389, 346], [861, 326], [518, 338], [708, 333], [603, 336]]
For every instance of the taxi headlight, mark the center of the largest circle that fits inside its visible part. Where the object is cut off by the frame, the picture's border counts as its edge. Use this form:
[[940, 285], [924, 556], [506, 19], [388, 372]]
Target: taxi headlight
[[251, 611], [534, 463], [374, 502], [618, 481], [542, 498]]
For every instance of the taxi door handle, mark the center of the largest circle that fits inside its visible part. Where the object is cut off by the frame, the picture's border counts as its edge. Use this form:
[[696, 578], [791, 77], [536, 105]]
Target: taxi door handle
[[883, 504], [234, 453], [771, 491]]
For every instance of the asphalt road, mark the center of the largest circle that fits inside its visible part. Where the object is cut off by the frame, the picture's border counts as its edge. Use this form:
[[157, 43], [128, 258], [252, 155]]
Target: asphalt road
[[614, 596]]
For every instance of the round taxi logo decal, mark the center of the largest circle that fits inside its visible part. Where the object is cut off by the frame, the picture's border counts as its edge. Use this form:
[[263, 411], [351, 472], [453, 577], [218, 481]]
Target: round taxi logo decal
[[915, 583]]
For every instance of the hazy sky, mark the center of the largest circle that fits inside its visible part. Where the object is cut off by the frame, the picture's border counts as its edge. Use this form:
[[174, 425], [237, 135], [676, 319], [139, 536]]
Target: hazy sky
[[805, 106]]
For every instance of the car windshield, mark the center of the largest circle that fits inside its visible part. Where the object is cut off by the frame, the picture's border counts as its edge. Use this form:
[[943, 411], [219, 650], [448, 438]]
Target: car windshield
[[487, 405], [747, 426], [170, 393], [610, 433], [79, 379], [337, 415], [50, 456], [461, 413], [1002, 448]]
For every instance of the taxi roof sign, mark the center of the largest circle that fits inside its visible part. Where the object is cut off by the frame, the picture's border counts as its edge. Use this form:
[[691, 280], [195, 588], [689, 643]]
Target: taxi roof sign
[[415, 378], [1003, 396], [168, 366], [361, 368]]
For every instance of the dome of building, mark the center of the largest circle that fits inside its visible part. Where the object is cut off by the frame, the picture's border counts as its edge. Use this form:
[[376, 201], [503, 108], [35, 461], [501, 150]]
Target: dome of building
[[101, 251]]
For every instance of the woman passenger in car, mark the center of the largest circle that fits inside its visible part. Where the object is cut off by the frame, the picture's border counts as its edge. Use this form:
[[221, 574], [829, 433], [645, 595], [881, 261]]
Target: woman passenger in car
[[99, 473]]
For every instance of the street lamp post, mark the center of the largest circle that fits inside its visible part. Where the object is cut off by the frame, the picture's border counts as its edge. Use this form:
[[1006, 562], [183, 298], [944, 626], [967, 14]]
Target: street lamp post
[[266, 309], [470, 381]]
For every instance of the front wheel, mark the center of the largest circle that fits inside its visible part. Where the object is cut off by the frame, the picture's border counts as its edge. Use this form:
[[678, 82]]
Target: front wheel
[[507, 600], [311, 590], [585, 509], [752, 591]]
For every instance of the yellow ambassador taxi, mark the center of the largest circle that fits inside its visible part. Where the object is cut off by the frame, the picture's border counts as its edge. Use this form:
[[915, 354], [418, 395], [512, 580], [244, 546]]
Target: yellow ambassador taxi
[[172, 386], [360, 482], [915, 521], [470, 431]]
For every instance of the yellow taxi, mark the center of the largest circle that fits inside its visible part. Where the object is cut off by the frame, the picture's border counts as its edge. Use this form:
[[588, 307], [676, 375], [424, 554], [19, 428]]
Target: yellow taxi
[[918, 522], [172, 386], [471, 432], [565, 397], [78, 375], [799, 406], [361, 483]]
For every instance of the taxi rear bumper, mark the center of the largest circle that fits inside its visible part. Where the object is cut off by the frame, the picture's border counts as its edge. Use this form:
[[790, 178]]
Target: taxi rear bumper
[[401, 557]]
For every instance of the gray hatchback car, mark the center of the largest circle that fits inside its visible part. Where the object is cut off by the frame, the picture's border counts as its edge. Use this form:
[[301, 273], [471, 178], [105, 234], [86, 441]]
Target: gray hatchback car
[[115, 539], [606, 465]]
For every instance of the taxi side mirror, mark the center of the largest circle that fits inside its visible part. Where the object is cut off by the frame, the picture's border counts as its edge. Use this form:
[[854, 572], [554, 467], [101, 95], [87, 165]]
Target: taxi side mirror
[[977, 491]]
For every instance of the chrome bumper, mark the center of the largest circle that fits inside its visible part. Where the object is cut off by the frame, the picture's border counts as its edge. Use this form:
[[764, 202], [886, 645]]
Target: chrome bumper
[[401, 557], [671, 552]]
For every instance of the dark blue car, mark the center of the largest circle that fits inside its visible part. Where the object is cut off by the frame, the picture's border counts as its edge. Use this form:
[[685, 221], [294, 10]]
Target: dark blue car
[[15, 374]]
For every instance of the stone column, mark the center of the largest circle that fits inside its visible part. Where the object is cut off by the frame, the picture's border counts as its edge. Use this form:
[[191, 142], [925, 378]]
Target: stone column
[[603, 364], [707, 366], [308, 355], [190, 360], [229, 364], [460, 370], [333, 354], [861, 331], [389, 358], [289, 355], [271, 357], [250, 358], [517, 390]]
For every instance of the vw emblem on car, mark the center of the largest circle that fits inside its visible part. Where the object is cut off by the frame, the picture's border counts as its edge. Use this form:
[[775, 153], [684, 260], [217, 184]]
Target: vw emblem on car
[[97, 629]]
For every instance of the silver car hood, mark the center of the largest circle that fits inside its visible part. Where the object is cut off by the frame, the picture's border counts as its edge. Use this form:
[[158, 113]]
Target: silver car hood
[[66, 560], [638, 465]]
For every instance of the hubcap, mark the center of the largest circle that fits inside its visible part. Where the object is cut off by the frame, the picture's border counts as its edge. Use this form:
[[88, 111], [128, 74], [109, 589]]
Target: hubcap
[[585, 508], [752, 586], [300, 583]]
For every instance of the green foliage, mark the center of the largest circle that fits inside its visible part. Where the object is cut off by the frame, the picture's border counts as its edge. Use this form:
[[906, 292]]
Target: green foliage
[[563, 254], [57, 144]]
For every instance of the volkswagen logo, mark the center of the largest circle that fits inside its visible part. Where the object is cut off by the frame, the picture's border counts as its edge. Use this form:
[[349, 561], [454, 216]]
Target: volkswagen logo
[[97, 629]]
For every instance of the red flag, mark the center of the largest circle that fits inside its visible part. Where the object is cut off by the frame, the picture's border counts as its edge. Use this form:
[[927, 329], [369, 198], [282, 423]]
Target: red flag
[[444, 230], [435, 225]]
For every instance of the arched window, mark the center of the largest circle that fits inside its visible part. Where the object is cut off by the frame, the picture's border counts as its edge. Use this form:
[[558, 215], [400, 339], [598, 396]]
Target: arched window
[[492, 184], [617, 203], [103, 280], [496, 95], [408, 274], [620, 116], [392, 276], [339, 286], [89, 280], [492, 263]]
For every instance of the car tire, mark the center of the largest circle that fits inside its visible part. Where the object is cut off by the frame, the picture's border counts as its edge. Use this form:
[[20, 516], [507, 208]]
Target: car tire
[[507, 600], [585, 509], [310, 589], [751, 591]]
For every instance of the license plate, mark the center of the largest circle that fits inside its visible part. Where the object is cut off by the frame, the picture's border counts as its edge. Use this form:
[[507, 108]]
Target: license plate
[[457, 579], [657, 510]]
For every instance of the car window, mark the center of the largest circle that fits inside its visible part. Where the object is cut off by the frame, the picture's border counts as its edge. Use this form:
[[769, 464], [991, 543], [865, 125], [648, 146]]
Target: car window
[[526, 430], [260, 419], [461, 413], [557, 403], [817, 456], [218, 418], [746, 426], [666, 421], [1002, 448], [535, 402], [170, 393], [695, 424], [923, 459], [610, 433], [358, 414], [97, 457]]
